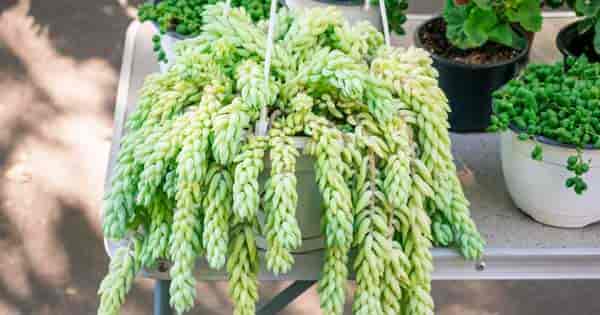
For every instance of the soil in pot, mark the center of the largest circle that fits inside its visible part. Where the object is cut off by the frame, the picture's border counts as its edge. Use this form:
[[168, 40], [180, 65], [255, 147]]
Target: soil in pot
[[433, 38]]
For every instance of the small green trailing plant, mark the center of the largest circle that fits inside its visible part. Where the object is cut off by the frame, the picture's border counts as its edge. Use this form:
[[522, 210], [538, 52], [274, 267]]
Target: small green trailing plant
[[476, 22], [547, 101], [184, 17], [396, 13], [186, 183], [590, 11]]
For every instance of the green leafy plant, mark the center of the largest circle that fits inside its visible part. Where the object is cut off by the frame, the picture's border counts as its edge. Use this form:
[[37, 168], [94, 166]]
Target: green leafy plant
[[396, 13], [590, 11], [184, 17], [545, 101], [475, 23], [186, 184]]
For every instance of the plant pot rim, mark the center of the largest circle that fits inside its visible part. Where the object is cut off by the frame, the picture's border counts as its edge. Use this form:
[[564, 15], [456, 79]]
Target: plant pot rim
[[448, 62], [560, 37], [552, 142]]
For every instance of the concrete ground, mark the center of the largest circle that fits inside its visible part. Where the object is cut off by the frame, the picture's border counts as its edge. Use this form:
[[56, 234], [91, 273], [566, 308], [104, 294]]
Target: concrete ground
[[59, 65]]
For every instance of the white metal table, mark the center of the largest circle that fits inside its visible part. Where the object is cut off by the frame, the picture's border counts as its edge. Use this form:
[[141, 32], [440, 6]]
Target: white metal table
[[518, 247]]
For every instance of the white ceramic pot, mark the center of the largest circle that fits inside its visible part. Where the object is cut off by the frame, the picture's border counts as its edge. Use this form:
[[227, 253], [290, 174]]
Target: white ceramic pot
[[353, 11], [310, 206], [538, 187]]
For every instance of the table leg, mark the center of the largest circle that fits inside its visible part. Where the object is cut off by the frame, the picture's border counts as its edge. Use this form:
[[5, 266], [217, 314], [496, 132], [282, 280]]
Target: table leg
[[161, 297], [283, 299]]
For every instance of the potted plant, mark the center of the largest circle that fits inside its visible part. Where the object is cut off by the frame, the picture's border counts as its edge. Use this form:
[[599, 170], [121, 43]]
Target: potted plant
[[583, 36], [550, 123], [176, 20], [477, 46]]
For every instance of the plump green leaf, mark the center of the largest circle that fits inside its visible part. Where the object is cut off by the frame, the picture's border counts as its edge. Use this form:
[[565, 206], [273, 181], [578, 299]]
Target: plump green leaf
[[585, 25], [528, 14], [454, 14], [479, 24], [455, 17], [483, 4], [505, 35], [588, 7]]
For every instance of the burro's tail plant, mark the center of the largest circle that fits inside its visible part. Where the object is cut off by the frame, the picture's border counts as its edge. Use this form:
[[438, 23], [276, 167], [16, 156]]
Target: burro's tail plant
[[472, 23], [186, 184]]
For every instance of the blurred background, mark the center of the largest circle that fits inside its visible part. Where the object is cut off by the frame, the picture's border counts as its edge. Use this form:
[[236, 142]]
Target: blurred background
[[59, 67]]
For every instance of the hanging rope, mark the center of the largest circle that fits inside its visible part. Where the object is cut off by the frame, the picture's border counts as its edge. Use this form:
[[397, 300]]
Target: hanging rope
[[384, 21], [263, 123]]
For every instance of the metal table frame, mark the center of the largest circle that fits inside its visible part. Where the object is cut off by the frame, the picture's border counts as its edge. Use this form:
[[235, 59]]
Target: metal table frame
[[528, 262], [274, 306]]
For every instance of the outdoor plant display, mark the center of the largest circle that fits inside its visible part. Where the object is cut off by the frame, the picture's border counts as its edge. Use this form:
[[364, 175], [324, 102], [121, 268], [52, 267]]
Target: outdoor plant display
[[184, 17], [478, 46], [186, 181], [583, 36], [563, 106]]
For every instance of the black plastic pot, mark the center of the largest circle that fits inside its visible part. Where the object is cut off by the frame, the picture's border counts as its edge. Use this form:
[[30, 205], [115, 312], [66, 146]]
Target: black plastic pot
[[572, 44], [469, 87]]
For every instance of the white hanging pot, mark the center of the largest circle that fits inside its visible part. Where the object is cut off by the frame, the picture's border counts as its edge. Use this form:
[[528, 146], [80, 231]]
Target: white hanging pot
[[538, 187], [354, 11], [310, 204]]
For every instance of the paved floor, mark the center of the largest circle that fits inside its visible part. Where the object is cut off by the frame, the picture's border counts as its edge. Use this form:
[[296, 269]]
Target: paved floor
[[59, 63]]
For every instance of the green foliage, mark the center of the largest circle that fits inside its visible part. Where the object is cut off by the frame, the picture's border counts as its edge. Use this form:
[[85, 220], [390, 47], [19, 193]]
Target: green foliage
[[473, 24], [184, 17], [123, 268], [186, 184], [242, 263], [281, 200], [545, 101], [435, 164], [396, 14]]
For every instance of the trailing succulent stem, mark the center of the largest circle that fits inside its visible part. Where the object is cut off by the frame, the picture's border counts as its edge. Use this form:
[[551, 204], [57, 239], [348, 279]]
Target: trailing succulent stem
[[243, 264], [124, 266], [281, 200]]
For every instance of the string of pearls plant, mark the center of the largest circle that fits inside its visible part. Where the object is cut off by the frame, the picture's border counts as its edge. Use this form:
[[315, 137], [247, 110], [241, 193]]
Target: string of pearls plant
[[186, 184]]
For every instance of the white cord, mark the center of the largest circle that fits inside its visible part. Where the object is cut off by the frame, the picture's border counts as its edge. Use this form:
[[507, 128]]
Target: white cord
[[263, 124], [384, 21], [228, 7]]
